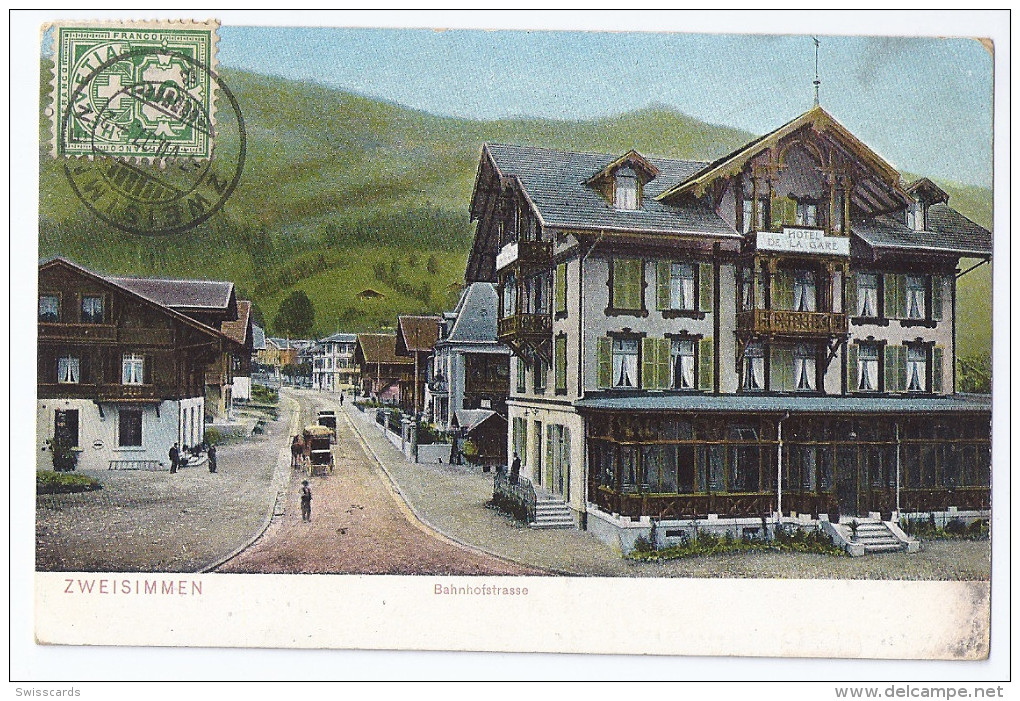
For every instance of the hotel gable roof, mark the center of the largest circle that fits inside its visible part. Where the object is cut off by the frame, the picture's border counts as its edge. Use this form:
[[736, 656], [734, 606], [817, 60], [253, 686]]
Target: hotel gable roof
[[379, 348], [680, 198]]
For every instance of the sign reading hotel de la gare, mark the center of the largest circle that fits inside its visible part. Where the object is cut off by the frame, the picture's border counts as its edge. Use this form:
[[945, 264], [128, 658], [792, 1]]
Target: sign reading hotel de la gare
[[803, 241]]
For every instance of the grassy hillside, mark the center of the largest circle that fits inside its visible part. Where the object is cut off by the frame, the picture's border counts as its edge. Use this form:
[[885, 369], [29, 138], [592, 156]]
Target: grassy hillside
[[341, 193]]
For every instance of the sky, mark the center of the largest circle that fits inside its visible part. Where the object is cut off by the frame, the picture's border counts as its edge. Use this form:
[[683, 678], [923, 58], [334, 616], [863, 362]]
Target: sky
[[924, 104]]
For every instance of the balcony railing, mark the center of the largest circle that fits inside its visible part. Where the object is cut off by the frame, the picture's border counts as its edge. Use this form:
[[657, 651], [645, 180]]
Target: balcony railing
[[78, 332], [101, 391], [779, 322], [103, 333], [521, 325], [525, 253]]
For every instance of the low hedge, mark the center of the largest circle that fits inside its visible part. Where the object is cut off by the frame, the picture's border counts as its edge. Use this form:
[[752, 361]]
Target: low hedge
[[49, 482], [709, 544]]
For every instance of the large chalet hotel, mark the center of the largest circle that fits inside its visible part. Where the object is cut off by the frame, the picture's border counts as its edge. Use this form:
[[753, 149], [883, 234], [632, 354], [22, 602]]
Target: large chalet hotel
[[772, 333]]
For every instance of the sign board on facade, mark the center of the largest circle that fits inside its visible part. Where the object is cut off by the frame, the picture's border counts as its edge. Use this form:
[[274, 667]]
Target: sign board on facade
[[795, 240]]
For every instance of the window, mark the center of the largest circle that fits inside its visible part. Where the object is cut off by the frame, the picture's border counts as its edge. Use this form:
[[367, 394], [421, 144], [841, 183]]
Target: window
[[746, 289], [916, 286], [807, 214], [867, 295], [917, 368], [522, 384], [133, 369], [804, 291], [754, 366], [749, 218], [91, 309], [626, 196], [49, 308], [867, 367], [560, 374], [625, 362], [510, 296], [683, 363], [681, 286], [541, 368], [129, 425], [68, 370], [804, 368], [628, 284], [65, 427]]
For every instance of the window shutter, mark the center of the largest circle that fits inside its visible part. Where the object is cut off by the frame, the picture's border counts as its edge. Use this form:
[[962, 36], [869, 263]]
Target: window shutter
[[936, 370], [649, 352], [901, 299], [776, 212], [706, 364], [561, 287], [783, 289], [637, 277], [851, 294], [937, 282], [895, 368], [550, 446], [662, 284], [781, 370], [561, 363], [789, 210], [889, 293], [852, 378], [662, 362], [706, 291], [605, 354]]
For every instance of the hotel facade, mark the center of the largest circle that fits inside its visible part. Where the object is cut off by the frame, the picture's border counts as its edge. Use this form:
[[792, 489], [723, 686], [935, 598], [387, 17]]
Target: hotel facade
[[770, 335]]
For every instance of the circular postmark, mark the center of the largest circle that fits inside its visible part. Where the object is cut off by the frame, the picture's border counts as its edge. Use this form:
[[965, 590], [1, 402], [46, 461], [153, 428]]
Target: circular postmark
[[157, 163]]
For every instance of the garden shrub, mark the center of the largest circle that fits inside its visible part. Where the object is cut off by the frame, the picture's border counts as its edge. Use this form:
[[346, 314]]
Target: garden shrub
[[48, 482]]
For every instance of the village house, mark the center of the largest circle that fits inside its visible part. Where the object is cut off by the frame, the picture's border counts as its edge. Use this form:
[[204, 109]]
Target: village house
[[384, 375], [121, 377], [416, 338], [470, 368], [242, 332], [770, 335], [333, 367]]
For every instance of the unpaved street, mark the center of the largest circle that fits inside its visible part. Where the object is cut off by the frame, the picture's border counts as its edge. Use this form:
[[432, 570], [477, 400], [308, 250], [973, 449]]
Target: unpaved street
[[359, 525]]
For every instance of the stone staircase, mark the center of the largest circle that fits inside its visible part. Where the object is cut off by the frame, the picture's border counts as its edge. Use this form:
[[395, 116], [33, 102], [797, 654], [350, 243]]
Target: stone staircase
[[876, 537], [551, 512]]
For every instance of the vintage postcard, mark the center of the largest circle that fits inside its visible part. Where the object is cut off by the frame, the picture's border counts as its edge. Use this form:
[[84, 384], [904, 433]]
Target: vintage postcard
[[675, 340]]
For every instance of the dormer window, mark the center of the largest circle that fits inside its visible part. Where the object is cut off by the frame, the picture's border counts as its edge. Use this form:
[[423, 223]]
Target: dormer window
[[626, 195]]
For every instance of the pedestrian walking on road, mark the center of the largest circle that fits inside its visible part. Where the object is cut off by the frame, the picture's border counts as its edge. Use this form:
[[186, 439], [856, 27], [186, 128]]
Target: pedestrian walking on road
[[212, 459], [175, 455], [306, 501], [515, 470], [297, 451]]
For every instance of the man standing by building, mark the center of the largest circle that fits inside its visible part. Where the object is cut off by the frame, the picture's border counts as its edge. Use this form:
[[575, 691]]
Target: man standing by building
[[515, 470], [175, 455]]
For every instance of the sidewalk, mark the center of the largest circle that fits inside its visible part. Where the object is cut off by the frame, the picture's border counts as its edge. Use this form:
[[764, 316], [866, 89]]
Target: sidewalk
[[451, 499]]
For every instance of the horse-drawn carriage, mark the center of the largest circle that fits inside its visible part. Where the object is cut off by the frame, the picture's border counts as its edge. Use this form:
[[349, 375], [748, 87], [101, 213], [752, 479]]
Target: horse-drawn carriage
[[318, 450], [328, 419]]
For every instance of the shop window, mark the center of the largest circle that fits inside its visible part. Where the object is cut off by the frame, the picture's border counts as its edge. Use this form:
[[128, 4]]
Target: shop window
[[129, 428], [65, 427]]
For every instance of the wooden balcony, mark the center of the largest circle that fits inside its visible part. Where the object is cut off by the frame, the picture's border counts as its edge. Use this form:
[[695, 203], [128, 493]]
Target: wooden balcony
[[525, 254], [78, 333], [779, 322], [103, 333], [525, 327], [102, 391]]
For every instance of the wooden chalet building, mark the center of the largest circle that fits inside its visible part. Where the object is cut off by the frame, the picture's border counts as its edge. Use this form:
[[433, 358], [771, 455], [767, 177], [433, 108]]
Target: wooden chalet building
[[416, 339], [242, 332], [385, 376], [770, 335], [121, 377]]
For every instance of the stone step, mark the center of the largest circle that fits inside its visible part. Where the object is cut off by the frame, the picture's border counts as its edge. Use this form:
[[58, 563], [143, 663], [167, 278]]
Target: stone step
[[889, 547]]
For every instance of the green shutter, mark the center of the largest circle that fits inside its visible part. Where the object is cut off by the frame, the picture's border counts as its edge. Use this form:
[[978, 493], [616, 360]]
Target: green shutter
[[937, 282], [561, 363], [895, 368], [776, 212], [627, 279], [782, 288], [561, 287], [936, 370], [649, 354], [619, 283], [662, 284], [781, 370], [662, 362], [789, 210], [851, 294], [852, 379], [605, 354], [706, 364], [706, 290]]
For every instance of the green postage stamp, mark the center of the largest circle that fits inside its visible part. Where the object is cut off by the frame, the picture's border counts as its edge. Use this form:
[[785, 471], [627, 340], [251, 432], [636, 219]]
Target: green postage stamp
[[139, 90]]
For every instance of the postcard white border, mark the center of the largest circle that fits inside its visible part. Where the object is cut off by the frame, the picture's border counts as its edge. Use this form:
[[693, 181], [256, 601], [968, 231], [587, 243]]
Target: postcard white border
[[30, 661]]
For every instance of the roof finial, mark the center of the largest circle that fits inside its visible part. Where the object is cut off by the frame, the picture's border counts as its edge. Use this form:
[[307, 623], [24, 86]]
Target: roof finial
[[817, 82]]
